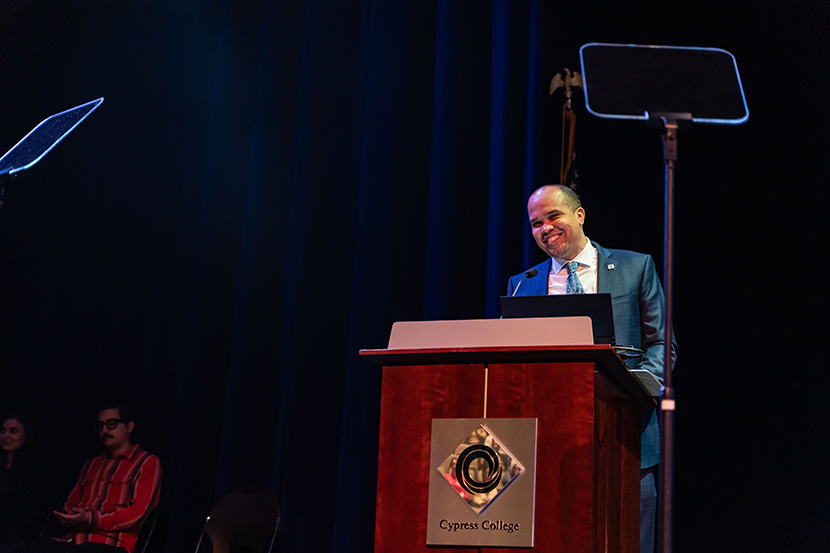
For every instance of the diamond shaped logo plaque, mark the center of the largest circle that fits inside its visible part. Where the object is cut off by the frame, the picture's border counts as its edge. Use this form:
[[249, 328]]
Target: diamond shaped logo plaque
[[480, 468], [482, 481]]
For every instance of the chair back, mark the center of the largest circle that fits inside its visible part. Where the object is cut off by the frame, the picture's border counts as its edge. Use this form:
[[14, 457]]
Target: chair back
[[247, 518], [146, 531]]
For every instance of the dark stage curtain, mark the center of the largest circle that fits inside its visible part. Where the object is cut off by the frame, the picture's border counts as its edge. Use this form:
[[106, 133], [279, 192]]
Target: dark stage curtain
[[269, 185], [266, 188]]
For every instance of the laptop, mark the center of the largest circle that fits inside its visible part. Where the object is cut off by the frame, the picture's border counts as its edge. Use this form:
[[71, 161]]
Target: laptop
[[596, 306]]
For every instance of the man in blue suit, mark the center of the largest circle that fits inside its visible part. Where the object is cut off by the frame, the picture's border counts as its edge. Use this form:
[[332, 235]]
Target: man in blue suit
[[556, 220]]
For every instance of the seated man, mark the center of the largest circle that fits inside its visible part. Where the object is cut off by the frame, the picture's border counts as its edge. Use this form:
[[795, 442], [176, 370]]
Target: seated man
[[115, 492]]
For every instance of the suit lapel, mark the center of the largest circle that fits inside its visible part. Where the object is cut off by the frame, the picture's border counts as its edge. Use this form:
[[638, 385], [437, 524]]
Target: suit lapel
[[538, 285], [605, 275]]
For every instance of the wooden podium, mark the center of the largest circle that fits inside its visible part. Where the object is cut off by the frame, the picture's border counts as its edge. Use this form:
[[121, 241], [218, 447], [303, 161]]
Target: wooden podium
[[588, 408]]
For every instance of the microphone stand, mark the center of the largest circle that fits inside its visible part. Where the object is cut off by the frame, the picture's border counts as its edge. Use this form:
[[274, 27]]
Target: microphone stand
[[670, 123]]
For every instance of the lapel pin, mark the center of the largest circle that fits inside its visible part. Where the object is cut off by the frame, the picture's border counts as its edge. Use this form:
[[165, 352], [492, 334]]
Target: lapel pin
[[610, 266]]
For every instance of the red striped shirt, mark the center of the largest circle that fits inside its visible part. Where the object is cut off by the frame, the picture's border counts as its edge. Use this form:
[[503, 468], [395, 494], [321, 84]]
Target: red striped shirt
[[119, 494]]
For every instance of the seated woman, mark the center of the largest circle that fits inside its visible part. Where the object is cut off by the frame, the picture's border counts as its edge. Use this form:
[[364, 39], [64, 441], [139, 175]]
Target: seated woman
[[23, 494]]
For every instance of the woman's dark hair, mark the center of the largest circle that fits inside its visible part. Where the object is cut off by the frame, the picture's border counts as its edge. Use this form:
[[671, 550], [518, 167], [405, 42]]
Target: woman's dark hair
[[17, 415], [23, 420]]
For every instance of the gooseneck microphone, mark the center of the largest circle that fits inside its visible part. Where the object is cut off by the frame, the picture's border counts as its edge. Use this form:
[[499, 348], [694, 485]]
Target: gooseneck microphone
[[530, 274]]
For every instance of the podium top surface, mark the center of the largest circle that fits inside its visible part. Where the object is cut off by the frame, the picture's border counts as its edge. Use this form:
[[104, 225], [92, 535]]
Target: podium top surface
[[493, 354], [603, 354]]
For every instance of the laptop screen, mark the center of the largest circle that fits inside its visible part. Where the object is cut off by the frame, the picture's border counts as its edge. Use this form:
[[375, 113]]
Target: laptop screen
[[596, 306]]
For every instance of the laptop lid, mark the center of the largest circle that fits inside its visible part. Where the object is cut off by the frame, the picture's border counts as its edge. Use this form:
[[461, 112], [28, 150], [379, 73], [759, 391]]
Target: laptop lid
[[596, 306]]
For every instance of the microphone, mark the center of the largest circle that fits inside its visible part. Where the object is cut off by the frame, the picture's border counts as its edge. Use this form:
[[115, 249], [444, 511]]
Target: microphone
[[530, 274]]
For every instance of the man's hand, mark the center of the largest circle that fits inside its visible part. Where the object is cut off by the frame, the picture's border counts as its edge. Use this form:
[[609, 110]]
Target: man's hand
[[76, 517]]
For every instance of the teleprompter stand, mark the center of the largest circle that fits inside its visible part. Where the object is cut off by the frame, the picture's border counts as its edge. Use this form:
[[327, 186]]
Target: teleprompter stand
[[670, 87]]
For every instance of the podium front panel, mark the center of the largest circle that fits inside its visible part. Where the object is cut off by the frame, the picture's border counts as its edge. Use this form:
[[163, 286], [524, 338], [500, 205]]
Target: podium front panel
[[588, 449]]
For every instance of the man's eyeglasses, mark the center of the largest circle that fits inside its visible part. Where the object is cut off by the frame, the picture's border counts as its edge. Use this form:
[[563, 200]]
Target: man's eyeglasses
[[110, 424]]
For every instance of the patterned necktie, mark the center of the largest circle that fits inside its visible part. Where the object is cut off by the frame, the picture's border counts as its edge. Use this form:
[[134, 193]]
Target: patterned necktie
[[573, 286]]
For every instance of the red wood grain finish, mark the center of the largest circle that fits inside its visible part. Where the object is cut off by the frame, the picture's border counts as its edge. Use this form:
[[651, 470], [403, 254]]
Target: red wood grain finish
[[411, 397], [560, 396], [616, 468], [587, 461]]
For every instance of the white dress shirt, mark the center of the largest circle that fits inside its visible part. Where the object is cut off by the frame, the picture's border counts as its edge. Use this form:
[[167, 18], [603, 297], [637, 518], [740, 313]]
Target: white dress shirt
[[587, 271]]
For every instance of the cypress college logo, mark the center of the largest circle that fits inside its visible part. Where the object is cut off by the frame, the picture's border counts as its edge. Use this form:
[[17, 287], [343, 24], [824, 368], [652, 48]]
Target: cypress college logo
[[480, 468], [482, 482]]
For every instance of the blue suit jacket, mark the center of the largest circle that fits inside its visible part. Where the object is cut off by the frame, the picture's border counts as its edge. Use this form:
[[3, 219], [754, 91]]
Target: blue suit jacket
[[638, 303]]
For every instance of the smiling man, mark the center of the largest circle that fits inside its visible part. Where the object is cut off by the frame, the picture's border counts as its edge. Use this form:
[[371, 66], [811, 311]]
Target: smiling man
[[115, 492], [556, 218], [579, 266]]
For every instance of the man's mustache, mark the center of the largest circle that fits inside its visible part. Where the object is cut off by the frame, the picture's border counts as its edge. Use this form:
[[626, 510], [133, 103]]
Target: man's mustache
[[107, 436]]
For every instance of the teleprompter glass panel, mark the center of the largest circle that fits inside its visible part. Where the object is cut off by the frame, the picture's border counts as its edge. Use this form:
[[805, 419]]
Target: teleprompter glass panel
[[44, 137], [624, 81]]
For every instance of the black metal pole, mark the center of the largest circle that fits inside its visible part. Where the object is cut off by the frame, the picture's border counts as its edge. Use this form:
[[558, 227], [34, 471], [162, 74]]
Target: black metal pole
[[667, 400]]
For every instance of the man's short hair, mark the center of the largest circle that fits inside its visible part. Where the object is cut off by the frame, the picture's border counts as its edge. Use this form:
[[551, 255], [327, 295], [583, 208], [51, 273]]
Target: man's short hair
[[125, 411], [569, 197]]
